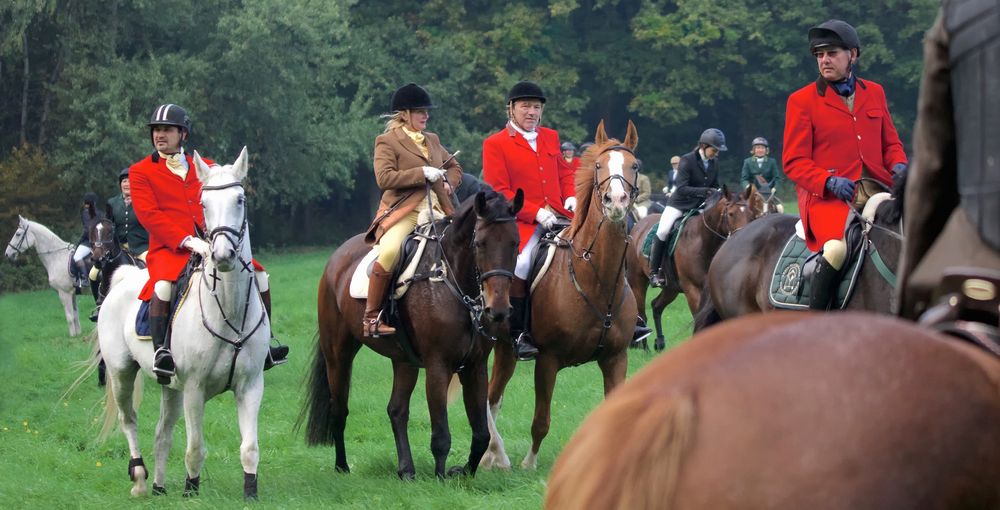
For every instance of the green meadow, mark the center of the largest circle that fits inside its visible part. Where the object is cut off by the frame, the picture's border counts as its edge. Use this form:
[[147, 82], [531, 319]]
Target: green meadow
[[51, 459]]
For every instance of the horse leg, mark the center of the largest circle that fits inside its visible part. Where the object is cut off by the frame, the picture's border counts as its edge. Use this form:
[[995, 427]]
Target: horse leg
[[546, 368], [68, 300], [121, 386], [171, 401], [194, 457], [404, 379], [437, 379], [504, 363], [474, 382], [339, 366], [660, 303], [613, 369], [247, 409]]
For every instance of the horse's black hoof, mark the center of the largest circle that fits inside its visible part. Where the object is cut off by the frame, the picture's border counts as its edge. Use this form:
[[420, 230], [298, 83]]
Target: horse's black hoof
[[342, 469], [459, 471], [406, 476], [659, 345], [249, 486], [159, 491], [191, 486]]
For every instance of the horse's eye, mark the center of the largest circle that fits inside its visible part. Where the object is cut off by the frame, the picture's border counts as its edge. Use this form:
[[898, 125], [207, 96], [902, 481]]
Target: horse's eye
[[598, 166]]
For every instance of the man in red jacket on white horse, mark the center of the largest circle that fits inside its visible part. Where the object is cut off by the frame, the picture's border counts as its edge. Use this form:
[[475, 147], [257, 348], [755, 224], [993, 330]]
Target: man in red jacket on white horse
[[166, 196], [837, 132]]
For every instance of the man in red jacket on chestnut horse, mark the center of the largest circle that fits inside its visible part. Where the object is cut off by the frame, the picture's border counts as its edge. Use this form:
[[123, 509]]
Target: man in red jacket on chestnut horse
[[838, 132], [166, 196]]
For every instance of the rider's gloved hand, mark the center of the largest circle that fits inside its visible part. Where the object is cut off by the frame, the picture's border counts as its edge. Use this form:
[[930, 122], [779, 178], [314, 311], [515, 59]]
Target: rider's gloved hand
[[433, 174], [198, 246], [841, 187], [898, 172], [570, 204], [545, 218]]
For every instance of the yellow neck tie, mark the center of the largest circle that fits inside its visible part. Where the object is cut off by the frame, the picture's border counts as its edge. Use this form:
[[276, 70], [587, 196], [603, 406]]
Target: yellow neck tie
[[419, 139], [175, 163]]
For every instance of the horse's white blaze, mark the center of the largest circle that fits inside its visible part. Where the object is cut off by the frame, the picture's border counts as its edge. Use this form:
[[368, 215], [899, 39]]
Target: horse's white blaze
[[616, 164]]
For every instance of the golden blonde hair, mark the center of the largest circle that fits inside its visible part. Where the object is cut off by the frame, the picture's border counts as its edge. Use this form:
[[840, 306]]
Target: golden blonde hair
[[393, 120]]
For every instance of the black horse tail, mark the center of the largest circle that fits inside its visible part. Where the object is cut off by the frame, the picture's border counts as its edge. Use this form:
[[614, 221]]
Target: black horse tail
[[317, 413], [707, 314]]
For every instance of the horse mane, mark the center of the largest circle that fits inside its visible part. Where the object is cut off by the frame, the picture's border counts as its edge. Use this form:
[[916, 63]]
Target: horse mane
[[585, 182], [43, 228], [892, 212], [495, 208]]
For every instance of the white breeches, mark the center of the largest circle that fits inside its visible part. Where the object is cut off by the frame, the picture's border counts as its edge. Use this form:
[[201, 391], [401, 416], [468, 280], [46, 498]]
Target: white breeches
[[164, 290], [524, 258], [80, 253], [667, 220]]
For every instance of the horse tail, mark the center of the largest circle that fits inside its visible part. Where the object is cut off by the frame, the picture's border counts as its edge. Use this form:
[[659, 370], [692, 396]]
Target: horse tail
[[317, 413], [86, 367], [708, 314], [597, 469]]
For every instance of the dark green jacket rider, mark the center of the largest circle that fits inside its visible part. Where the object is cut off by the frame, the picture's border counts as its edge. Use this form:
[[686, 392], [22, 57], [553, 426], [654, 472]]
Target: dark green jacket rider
[[768, 169], [128, 231]]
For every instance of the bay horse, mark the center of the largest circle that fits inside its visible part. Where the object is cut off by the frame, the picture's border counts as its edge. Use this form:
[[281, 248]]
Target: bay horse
[[739, 278], [583, 309], [55, 255], [794, 410], [108, 254], [219, 341], [725, 214], [441, 316]]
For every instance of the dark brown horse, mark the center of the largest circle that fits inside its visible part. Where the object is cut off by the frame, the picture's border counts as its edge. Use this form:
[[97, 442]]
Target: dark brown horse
[[739, 278], [793, 410], [702, 236], [477, 248], [583, 309], [107, 254]]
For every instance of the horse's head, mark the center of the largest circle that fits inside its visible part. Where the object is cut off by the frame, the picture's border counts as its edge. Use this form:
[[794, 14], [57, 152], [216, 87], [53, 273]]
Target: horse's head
[[224, 204], [494, 246], [102, 241], [758, 204], [608, 174], [727, 212], [22, 240]]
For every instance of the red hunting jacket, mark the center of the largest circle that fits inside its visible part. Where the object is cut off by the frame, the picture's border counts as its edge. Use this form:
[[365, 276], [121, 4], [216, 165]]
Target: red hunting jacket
[[509, 163], [823, 138]]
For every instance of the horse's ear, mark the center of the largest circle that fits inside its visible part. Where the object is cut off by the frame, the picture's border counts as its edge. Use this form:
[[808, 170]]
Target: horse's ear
[[600, 137], [748, 193], [240, 166], [480, 205], [631, 136], [200, 167], [518, 202], [725, 191]]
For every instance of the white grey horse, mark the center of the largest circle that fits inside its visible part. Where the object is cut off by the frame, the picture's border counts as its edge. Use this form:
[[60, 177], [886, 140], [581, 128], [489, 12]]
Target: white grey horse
[[55, 254], [219, 340]]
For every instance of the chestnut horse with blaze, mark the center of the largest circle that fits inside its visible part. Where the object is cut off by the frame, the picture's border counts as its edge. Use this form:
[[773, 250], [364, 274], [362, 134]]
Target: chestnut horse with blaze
[[477, 248], [793, 410], [583, 309]]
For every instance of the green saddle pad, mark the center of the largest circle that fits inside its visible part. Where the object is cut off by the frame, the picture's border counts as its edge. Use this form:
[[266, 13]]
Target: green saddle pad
[[672, 237], [791, 290]]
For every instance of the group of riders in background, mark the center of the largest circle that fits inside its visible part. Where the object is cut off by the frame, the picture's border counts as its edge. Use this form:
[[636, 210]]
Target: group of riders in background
[[840, 146]]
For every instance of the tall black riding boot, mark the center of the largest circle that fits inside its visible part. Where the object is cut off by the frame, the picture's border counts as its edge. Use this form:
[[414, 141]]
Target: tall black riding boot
[[825, 280], [278, 354], [524, 345], [95, 289], [163, 359], [656, 262]]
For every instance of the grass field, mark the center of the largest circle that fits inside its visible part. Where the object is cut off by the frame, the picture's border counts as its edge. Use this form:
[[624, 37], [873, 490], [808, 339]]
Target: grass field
[[51, 459]]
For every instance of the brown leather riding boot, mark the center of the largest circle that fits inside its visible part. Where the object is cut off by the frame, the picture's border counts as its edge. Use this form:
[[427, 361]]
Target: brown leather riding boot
[[378, 287]]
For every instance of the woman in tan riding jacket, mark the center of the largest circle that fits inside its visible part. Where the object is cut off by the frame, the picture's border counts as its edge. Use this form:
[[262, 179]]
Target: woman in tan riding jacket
[[406, 159]]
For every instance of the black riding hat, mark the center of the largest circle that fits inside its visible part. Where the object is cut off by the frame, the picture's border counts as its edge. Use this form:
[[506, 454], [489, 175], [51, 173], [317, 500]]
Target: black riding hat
[[170, 115], [525, 90], [715, 138], [834, 32], [410, 97], [122, 175]]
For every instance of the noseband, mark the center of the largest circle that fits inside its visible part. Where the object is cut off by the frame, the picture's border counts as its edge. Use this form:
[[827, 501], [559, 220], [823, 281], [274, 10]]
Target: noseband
[[237, 235], [20, 242]]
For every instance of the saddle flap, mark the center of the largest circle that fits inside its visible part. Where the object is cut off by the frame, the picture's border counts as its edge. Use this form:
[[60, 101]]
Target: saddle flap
[[409, 257], [791, 285]]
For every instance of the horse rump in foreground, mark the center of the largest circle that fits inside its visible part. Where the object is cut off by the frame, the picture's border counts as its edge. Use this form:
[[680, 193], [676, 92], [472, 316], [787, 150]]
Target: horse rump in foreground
[[582, 310], [477, 250], [725, 213], [790, 410], [55, 255], [219, 340]]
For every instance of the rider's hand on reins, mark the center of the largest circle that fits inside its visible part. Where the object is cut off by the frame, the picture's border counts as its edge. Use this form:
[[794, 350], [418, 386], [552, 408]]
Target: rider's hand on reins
[[433, 174], [198, 246], [841, 187]]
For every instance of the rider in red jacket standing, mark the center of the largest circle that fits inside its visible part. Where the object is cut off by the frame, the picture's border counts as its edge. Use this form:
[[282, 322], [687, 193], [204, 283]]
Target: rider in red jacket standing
[[166, 196], [837, 131]]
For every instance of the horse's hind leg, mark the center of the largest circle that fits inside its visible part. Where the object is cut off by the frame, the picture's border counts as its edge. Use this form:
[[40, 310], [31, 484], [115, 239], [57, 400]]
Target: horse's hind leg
[[194, 457], [404, 378], [121, 387], [546, 369], [247, 409], [660, 303], [504, 362], [613, 369], [436, 381], [474, 382], [68, 300], [170, 411]]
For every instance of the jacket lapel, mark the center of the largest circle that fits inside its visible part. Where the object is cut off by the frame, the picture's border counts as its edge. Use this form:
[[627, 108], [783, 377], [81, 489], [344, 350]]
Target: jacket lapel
[[519, 140], [408, 143]]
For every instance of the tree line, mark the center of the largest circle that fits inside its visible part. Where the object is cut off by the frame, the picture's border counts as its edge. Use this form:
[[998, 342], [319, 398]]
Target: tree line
[[302, 84]]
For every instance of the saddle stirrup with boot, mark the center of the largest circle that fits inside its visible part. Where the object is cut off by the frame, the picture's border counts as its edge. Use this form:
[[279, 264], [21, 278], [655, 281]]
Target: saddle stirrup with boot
[[524, 345], [163, 359], [656, 262], [379, 283], [825, 280], [276, 354]]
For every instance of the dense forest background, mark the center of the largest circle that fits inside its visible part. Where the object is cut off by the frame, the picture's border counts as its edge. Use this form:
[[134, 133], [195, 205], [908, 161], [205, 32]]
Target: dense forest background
[[302, 83]]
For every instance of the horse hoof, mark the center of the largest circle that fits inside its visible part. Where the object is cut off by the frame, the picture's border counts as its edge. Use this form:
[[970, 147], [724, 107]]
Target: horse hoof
[[459, 471], [191, 486], [342, 469], [660, 344], [249, 486], [159, 491], [406, 476]]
